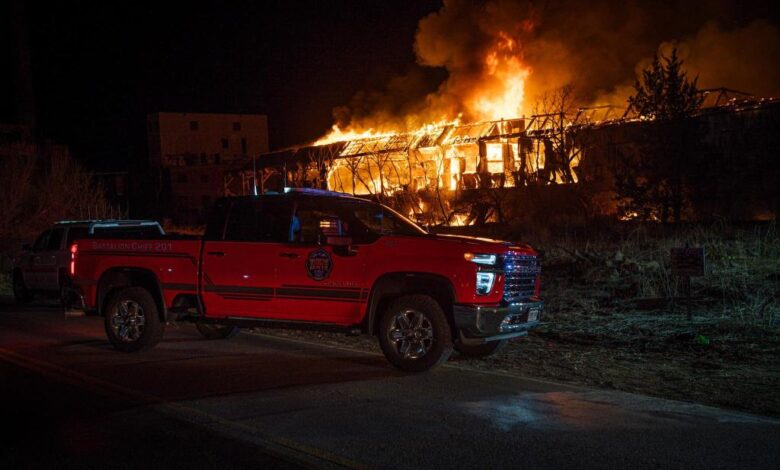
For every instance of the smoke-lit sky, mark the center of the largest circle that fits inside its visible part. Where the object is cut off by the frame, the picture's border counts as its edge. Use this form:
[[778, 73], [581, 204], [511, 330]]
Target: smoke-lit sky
[[97, 69], [597, 46]]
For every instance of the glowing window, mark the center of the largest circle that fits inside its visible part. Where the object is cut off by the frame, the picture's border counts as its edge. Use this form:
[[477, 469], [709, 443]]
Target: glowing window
[[494, 154]]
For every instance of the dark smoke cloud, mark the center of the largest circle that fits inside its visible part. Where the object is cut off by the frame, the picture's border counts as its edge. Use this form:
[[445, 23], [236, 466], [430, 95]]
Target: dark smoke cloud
[[598, 46]]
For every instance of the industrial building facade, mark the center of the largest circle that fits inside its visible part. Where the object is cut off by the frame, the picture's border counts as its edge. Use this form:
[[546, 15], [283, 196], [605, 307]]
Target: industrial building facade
[[191, 154]]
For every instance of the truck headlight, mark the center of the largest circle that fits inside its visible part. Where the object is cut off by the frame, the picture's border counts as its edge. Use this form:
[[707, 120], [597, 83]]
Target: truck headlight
[[485, 282], [481, 258]]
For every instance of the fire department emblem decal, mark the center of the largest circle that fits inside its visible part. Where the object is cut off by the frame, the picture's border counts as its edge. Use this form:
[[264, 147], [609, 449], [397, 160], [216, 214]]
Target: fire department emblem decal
[[319, 264]]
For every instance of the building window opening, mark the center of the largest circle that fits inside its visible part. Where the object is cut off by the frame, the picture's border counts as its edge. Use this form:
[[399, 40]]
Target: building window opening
[[495, 157]]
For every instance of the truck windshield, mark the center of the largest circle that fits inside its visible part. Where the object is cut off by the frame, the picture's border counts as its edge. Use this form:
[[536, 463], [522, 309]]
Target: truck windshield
[[364, 221], [385, 221]]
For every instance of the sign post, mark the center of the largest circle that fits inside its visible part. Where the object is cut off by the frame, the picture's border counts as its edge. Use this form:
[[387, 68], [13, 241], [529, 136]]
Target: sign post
[[687, 263]]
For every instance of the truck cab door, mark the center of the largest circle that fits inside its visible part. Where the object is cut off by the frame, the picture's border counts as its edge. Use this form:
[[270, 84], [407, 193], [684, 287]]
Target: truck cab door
[[239, 262], [321, 282]]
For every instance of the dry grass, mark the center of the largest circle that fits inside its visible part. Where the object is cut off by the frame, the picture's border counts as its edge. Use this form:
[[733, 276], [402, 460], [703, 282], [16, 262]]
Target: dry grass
[[741, 284]]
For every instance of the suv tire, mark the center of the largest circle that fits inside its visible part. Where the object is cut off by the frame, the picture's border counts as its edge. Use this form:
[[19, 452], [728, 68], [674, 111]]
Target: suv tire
[[414, 333], [22, 295], [132, 320], [480, 350], [210, 331], [65, 284]]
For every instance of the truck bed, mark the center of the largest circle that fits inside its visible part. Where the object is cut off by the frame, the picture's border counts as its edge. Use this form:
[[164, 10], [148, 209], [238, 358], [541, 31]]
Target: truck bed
[[172, 260]]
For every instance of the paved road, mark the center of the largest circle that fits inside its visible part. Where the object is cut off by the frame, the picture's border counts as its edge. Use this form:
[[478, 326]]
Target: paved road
[[259, 401]]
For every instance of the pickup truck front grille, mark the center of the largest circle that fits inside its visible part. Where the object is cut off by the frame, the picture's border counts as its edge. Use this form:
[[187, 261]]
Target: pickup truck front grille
[[520, 271]]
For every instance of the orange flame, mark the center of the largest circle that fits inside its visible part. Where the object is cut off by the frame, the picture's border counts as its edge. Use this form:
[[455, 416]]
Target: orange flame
[[502, 95], [498, 94]]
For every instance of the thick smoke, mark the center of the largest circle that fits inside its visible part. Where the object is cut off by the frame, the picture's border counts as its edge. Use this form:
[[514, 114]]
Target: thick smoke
[[596, 46]]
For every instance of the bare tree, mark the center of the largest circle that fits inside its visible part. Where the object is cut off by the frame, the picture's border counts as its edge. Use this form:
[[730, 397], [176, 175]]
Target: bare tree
[[552, 118], [39, 186]]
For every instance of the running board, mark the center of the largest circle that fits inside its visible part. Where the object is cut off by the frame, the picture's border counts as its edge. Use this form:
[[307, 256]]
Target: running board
[[248, 322]]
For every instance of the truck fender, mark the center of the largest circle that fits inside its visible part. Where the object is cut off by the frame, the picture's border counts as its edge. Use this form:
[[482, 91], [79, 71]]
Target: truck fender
[[120, 277], [392, 285]]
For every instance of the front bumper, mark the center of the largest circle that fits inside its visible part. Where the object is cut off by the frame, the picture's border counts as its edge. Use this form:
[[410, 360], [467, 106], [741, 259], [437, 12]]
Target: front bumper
[[480, 324]]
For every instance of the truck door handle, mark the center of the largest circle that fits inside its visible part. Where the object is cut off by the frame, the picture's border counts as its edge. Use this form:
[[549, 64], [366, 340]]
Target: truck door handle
[[216, 253], [289, 255]]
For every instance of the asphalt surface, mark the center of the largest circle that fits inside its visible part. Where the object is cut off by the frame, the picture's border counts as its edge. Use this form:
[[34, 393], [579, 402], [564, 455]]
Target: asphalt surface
[[70, 400]]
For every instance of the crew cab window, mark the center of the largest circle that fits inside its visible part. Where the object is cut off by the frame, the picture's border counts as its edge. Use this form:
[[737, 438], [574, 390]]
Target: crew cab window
[[40, 242], [305, 227], [268, 221], [55, 238]]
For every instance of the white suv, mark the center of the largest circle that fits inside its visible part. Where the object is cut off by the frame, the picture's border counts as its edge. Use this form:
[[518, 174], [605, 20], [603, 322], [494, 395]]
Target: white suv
[[43, 267]]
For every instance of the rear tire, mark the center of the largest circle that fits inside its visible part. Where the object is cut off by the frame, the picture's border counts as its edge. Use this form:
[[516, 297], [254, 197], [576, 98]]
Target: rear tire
[[414, 333], [132, 320], [480, 350], [210, 331], [22, 295]]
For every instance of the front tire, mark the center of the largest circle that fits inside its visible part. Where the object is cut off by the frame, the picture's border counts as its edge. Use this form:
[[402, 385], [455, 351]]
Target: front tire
[[217, 331], [22, 295], [414, 333], [132, 320], [480, 350]]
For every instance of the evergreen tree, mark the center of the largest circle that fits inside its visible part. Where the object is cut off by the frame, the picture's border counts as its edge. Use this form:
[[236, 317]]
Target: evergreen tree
[[665, 92]]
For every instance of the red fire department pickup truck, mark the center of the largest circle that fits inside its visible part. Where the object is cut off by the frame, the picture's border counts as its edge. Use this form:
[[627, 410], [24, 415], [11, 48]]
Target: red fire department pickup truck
[[314, 259]]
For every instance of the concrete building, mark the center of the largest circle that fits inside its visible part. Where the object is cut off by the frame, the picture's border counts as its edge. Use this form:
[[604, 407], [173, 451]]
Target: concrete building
[[192, 153]]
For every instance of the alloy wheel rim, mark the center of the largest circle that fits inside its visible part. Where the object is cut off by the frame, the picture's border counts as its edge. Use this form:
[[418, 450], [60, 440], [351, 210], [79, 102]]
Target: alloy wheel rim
[[412, 334], [128, 321]]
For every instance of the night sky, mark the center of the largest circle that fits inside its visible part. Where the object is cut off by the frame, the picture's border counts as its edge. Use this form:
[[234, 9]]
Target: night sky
[[98, 68]]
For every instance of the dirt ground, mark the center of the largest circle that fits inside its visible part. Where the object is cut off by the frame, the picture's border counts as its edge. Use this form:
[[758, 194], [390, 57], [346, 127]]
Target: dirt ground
[[663, 355]]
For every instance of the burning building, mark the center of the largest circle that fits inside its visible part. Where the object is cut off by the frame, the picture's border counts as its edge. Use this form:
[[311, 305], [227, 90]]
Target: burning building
[[505, 119], [427, 172]]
